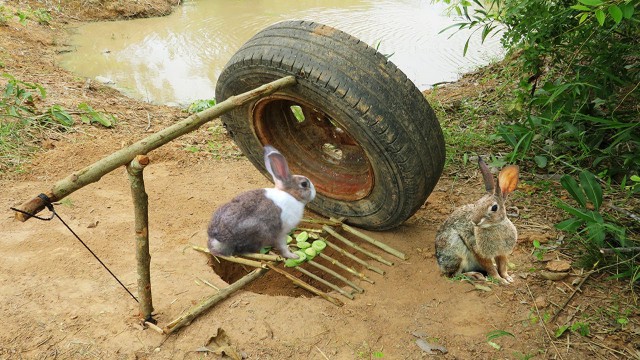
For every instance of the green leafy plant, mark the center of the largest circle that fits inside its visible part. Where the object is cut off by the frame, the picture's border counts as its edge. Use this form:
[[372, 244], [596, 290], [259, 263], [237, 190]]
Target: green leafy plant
[[538, 250], [5, 15], [89, 116], [586, 219], [577, 327], [43, 16], [18, 97], [200, 105], [578, 74]]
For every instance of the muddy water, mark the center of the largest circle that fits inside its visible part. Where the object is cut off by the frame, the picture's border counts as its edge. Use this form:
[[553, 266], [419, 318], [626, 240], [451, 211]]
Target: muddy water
[[177, 59]]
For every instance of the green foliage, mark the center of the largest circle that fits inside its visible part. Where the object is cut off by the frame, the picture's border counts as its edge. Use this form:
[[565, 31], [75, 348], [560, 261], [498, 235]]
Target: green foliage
[[42, 16], [89, 116], [579, 73], [21, 119], [5, 15], [595, 229], [201, 105], [586, 220], [577, 327]]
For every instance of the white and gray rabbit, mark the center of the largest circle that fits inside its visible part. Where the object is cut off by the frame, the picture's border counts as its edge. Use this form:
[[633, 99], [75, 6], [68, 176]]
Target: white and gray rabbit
[[262, 217], [475, 235]]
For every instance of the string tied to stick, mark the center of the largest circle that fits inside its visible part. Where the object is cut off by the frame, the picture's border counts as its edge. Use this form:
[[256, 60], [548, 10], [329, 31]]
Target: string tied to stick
[[49, 206]]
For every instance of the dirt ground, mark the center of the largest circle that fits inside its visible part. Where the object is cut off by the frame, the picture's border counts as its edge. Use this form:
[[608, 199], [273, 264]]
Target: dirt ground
[[58, 302]]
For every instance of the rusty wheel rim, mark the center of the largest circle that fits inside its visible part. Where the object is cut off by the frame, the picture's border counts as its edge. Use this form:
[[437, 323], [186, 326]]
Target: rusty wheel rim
[[315, 145]]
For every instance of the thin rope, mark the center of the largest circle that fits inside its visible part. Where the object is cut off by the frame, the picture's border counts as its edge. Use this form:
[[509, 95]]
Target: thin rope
[[49, 206]]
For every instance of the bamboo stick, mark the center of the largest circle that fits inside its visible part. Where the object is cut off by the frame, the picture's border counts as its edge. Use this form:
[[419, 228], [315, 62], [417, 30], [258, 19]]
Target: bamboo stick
[[306, 286], [336, 275], [265, 257], [322, 222], [347, 268], [355, 246], [239, 260], [375, 242], [141, 212], [212, 300], [236, 259], [97, 170], [325, 282], [354, 258]]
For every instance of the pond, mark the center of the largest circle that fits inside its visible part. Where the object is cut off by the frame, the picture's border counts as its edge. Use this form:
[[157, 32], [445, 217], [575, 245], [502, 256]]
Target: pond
[[176, 59]]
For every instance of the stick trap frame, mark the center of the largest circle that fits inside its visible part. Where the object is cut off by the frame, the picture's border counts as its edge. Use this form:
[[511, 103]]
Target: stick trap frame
[[135, 160]]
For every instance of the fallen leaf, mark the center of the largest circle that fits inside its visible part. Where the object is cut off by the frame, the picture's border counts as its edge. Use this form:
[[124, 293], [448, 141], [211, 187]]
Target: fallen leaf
[[482, 287], [219, 344]]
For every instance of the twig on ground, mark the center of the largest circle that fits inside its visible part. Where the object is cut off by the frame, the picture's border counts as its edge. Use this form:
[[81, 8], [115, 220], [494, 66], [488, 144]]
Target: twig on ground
[[544, 326], [625, 250], [571, 296]]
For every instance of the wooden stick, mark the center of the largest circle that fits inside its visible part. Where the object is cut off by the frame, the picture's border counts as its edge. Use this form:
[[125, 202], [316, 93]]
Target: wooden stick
[[311, 230], [624, 250], [571, 296], [212, 300], [265, 257], [322, 221], [626, 212], [353, 245], [239, 260], [354, 258], [154, 327], [97, 170], [325, 282], [233, 259], [375, 242], [347, 268], [306, 286], [141, 212], [336, 275]]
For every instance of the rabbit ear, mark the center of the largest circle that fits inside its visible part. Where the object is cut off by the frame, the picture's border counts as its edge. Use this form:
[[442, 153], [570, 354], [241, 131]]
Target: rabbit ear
[[489, 183], [508, 179], [276, 165]]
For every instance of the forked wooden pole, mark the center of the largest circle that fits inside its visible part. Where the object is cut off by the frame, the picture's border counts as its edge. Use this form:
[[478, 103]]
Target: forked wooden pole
[[122, 157], [141, 211]]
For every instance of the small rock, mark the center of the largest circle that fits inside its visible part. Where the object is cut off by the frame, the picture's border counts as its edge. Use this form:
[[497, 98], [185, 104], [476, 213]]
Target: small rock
[[558, 265], [104, 80], [93, 224], [554, 276], [541, 302]]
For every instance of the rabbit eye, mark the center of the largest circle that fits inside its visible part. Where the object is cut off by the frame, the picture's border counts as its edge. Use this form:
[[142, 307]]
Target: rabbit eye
[[304, 184], [494, 207]]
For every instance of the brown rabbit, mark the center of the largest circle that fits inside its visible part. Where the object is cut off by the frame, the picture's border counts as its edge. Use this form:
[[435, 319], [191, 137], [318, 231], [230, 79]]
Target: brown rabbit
[[476, 234], [262, 217]]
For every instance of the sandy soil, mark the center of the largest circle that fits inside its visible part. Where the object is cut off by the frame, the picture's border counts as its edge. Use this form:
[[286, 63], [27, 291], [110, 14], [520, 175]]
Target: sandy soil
[[58, 302]]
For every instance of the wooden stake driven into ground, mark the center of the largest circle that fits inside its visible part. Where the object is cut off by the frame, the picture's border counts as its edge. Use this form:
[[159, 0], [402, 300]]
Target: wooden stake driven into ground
[[141, 210]]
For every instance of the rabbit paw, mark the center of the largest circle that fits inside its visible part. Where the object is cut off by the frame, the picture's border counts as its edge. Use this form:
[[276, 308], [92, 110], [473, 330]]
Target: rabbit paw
[[286, 253], [474, 275]]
